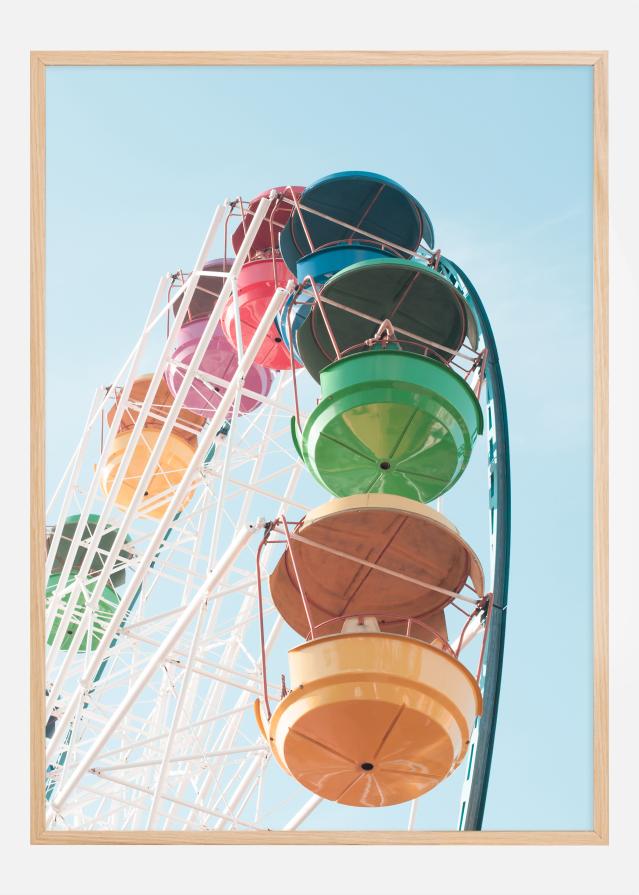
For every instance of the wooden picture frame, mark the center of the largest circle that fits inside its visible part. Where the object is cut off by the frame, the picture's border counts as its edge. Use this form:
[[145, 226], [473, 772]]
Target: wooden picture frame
[[40, 60]]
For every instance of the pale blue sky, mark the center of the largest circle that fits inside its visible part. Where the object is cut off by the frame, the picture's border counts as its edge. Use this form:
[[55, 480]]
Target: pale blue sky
[[501, 159]]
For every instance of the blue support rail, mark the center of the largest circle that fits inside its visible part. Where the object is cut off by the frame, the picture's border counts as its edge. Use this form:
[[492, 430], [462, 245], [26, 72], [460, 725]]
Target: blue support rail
[[474, 803]]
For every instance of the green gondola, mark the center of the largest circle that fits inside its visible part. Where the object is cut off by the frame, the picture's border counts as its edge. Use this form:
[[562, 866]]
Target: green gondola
[[390, 421], [108, 599]]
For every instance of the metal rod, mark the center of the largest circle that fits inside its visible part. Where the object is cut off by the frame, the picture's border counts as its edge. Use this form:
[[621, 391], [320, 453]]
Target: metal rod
[[137, 744], [260, 605], [358, 230], [298, 579], [194, 806], [303, 813], [195, 756], [371, 565]]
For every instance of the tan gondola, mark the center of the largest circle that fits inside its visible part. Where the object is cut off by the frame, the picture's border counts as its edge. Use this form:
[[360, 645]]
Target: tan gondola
[[430, 558]]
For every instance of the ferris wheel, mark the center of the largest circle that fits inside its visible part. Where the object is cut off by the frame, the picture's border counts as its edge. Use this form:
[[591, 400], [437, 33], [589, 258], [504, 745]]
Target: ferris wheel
[[255, 604]]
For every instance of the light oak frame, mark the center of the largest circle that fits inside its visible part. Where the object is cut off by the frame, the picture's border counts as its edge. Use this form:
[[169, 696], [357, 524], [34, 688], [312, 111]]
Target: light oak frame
[[598, 60]]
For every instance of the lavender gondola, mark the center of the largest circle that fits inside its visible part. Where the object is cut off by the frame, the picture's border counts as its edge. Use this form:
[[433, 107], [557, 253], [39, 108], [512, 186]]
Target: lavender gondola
[[220, 357], [219, 361]]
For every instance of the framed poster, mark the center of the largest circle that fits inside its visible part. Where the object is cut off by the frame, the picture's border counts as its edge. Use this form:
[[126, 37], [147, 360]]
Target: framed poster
[[342, 430]]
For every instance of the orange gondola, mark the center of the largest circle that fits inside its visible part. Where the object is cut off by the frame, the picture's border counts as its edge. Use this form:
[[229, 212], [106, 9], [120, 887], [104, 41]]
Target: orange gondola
[[174, 458]]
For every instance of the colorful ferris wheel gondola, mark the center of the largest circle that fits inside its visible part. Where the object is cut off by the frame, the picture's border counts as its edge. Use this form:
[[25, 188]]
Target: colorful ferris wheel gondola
[[260, 276], [423, 561], [299, 305], [422, 305], [175, 456], [219, 362], [354, 205], [107, 600], [373, 719], [390, 421]]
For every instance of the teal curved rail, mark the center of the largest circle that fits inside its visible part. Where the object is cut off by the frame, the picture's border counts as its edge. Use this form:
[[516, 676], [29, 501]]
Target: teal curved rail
[[483, 740]]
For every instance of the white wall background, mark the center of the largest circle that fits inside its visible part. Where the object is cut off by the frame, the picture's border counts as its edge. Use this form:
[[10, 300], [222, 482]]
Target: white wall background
[[245, 870]]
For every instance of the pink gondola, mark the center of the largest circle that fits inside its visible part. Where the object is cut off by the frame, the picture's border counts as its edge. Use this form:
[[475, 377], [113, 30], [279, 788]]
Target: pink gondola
[[219, 359], [261, 275], [256, 283]]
